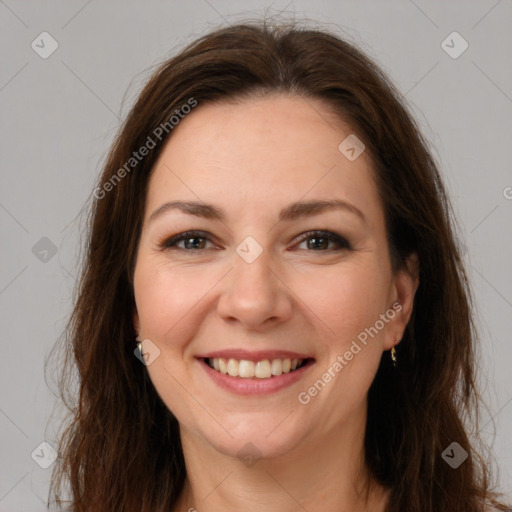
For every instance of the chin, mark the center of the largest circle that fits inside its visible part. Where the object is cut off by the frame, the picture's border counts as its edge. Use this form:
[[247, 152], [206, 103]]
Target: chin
[[256, 437]]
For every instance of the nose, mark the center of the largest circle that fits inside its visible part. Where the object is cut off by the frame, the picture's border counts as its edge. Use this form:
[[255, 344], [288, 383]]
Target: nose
[[254, 295]]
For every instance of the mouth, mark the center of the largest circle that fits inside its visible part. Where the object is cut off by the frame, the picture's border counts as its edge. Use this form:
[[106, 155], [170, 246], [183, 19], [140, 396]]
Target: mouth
[[262, 369], [255, 373]]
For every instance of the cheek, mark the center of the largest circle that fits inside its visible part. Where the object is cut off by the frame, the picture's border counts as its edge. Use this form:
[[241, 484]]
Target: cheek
[[167, 299], [344, 300], [348, 300]]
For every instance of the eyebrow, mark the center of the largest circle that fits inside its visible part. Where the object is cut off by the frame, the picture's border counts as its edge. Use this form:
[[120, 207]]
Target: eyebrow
[[293, 211]]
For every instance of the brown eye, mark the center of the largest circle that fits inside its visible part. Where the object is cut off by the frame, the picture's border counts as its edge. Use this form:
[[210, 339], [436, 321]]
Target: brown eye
[[195, 242], [188, 241], [321, 241], [317, 243]]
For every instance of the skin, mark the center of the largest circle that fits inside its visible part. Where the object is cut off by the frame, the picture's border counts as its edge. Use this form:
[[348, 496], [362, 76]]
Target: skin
[[251, 159]]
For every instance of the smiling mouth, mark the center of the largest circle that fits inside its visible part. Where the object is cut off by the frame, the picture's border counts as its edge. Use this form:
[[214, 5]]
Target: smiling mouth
[[264, 369]]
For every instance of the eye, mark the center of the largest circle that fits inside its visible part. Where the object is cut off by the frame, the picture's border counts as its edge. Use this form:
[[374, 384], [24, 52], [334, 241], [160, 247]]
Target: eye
[[318, 241], [321, 241], [189, 240]]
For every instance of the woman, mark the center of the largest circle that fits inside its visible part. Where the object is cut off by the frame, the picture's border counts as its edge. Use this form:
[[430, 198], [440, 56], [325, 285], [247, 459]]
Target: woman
[[273, 312]]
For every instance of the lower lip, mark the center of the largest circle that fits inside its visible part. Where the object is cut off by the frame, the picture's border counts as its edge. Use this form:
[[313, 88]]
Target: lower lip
[[255, 386]]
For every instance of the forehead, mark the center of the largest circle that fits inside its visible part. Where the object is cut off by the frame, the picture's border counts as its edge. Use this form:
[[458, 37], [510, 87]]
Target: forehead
[[261, 153]]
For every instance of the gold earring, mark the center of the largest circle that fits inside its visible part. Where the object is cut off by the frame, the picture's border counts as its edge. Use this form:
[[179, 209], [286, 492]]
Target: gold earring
[[393, 354], [393, 357]]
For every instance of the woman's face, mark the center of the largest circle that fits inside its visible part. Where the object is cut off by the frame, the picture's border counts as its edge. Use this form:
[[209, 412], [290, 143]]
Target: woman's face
[[288, 260]]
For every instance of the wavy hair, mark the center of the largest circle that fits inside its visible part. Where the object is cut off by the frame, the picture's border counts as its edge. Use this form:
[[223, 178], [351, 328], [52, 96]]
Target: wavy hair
[[121, 448]]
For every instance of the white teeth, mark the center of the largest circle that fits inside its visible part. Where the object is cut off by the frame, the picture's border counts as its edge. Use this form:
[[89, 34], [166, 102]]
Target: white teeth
[[262, 370], [277, 367], [223, 365], [233, 367], [245, 369]]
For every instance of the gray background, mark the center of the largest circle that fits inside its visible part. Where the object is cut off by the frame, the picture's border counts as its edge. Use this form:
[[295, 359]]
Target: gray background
[[59, 116]]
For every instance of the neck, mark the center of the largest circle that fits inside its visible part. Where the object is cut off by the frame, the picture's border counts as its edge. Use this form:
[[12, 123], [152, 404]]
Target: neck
[[324, 473]]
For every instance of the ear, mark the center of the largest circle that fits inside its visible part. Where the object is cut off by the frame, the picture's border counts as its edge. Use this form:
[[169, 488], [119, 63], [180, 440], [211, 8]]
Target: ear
[[404, 286]]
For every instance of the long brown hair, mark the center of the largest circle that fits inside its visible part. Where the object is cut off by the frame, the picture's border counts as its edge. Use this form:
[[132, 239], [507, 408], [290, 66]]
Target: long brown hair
[[121, 451]]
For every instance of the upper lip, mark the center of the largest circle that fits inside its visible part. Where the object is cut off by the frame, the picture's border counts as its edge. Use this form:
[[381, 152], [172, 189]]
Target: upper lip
[[255, 356]]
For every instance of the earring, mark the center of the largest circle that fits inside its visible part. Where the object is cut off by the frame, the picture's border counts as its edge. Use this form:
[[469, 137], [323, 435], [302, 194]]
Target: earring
[[393, 354], [139, 344]]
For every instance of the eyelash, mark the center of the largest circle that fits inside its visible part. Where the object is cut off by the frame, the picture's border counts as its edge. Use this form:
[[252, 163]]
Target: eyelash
[[343, 243]]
